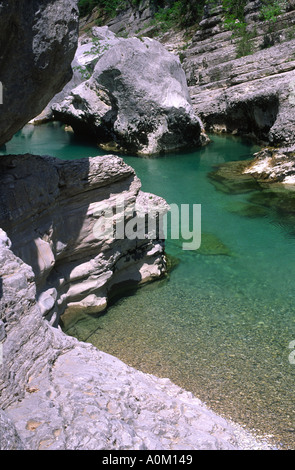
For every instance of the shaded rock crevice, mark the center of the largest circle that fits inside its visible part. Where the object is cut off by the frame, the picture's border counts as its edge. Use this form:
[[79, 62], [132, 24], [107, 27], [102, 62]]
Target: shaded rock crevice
[[38, 40]]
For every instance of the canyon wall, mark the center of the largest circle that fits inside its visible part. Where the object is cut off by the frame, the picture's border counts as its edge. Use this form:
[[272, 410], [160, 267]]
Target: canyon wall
[[56, 392], [37, 45], [244, 84]]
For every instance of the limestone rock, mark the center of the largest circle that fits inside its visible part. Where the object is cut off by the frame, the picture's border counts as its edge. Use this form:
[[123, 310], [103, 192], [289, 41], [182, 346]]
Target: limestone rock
[[130, 19], [55, 229], [87, 54], [60, 394], [272, 165], [38, 42], [9, 438], [252, 94], [136, 97]]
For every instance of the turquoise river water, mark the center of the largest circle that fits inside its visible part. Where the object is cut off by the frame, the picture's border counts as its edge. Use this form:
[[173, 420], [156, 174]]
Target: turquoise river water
[[221, 323]]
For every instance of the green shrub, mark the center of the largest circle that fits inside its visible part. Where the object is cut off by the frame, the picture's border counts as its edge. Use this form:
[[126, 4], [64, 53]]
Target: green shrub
[[271, 10], [109, 7], [244, 45]]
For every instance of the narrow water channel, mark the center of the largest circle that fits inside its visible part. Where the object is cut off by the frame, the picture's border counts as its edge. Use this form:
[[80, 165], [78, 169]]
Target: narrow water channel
[[221, 323]]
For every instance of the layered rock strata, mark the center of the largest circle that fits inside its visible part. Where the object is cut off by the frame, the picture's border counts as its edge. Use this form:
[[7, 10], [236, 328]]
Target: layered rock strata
[[249, 95], [274, 166], [57, 228], [129, 20]]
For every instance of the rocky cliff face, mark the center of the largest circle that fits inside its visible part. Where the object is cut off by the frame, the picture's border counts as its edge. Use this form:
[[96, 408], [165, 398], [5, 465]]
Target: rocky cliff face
[[58, 393], [249, 95], [37, 44]]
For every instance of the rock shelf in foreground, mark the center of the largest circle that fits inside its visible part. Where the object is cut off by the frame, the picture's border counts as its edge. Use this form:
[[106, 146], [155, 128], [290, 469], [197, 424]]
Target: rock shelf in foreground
[[59, 393]]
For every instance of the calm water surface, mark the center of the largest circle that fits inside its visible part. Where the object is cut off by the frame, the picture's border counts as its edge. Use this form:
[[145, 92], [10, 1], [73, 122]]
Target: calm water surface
[[221, 323]]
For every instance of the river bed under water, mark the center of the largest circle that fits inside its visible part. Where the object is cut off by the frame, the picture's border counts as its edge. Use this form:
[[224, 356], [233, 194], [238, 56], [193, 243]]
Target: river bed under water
[[221, 323]]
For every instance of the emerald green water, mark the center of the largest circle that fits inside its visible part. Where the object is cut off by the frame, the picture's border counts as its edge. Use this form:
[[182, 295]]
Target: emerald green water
[[220, 324]]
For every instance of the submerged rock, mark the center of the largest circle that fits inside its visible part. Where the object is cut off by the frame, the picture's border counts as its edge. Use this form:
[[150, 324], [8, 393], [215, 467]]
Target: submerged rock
[[246, 209], [137, 98], [231, 178], [268, 179], [277, 198], [211, 245]]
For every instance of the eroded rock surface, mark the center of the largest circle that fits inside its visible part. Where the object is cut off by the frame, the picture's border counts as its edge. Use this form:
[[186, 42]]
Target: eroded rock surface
[[37, 45], [249, 93], [136, 100], [252, 94], [272, 165], [61, 394], [57, 228]]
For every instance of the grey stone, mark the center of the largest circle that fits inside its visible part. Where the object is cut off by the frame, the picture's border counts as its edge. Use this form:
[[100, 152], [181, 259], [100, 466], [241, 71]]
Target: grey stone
[[55, 229], [61, 394], [9, 438], [136, 100], [88, 51], [35, 57], [272, 165], [250, 95]]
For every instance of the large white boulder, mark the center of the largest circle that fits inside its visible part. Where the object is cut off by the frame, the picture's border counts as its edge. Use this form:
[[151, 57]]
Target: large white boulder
[[137, 98]]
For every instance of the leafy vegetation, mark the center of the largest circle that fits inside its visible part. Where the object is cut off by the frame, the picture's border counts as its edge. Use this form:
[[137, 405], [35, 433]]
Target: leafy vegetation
[[83, 70], [109, 7], [235, 21], [168, 12], [97, 48], [182, 13], [271, 10], [175, 13]]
